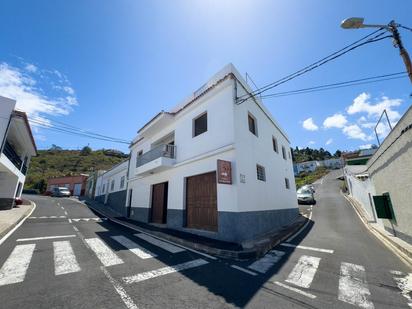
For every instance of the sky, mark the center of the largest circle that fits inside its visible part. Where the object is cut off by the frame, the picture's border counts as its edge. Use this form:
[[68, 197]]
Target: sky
[[110, 66]]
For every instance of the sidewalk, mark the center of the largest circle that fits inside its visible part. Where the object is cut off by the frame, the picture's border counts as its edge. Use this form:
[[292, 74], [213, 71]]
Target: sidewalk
[[209, 246], [397, 245], [10, 218]]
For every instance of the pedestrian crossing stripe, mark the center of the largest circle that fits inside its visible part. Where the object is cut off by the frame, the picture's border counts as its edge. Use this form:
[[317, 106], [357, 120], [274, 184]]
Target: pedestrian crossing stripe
[[133, 247], [103, 252], [15, 268], [265, 263], [64, 259]]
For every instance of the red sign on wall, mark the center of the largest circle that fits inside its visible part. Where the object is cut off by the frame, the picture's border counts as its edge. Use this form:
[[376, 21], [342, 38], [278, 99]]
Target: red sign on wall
[[224, 172]]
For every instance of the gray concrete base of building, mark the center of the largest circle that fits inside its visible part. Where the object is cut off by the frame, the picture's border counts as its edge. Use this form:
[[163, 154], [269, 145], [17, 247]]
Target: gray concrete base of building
[[115, 200], [6, 203], [232, 226]]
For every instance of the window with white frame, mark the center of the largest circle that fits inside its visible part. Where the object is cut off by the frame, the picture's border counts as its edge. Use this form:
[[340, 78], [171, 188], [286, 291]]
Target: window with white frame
[[260, 172], [287, 185], [200, 124], [112, 185], [275, 144], [122, 182], [252, 124], [284, 152], [104, 188]]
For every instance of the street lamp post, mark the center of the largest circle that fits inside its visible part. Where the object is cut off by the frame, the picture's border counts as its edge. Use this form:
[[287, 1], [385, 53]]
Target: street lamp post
[[357, 23]]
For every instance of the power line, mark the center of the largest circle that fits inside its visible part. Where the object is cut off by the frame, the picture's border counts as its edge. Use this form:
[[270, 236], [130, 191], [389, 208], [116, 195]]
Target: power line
[[318, 63], [355, 82]]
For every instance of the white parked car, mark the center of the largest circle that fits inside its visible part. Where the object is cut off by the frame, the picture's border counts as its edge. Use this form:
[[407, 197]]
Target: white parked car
[[305, 196]]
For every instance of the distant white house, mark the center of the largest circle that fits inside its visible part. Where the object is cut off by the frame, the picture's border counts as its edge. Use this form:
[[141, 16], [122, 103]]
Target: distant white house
[[311, 166], [213, 165], [17, 146]]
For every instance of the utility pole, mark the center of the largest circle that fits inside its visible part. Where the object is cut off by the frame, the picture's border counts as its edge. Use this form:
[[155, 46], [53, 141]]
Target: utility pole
[[357, 22]]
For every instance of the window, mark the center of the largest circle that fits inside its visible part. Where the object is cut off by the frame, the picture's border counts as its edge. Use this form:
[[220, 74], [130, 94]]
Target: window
[[122, 182], [252, 124], [289, 154], [275, 144], [139, 154], [112, 185], [200, 125], [104, 188], [284, 152], [287, 185], [260, 172]]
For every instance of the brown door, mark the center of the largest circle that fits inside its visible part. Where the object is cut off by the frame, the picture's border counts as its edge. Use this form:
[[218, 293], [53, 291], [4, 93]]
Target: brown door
[[201, 202], [159, 203]]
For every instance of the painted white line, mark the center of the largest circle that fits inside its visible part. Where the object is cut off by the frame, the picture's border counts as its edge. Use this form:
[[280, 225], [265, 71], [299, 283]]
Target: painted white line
[[17, 225], [244, 270], [133, 247], [103, 252], [307, 248], [396, 272], [62, 217], [75, 228], [404, 284], [52, 217], [76, 220], [127, 300], [263, 264], [353, 288], [64, 259], [15, 268], [65, 212], [304, 271], [141, 231], [301, 229], [164, 271], [70, 220], [45, 237], [295, 290], [164, 245]]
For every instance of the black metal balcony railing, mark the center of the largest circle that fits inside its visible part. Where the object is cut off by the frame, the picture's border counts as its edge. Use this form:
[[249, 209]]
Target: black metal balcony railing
[[163, 150], [10, 153]]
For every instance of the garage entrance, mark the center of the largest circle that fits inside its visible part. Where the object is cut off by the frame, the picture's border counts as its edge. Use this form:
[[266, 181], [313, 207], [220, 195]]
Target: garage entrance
[[201, 202], [159, 203]]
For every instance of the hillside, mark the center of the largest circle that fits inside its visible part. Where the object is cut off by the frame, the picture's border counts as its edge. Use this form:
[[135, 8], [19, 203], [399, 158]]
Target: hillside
[[309, 154], [58, 162]]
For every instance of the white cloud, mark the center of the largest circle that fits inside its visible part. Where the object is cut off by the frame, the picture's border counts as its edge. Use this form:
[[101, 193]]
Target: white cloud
[[355, 132], [362, 104], [23, 87], [366, 146], [31, 68], [329, 141], [41, 138], [308, 124], [335, 121], [311, 142], [69, 90]]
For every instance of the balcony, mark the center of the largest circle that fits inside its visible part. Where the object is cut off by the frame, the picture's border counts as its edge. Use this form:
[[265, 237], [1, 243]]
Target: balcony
[[159, 158], [11, 154]]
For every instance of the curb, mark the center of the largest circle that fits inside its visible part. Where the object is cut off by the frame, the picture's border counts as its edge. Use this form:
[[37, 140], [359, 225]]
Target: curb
[[9, 230], [403, 253], [253, 253]]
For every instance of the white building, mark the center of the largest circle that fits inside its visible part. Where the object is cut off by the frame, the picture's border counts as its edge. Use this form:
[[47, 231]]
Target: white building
[[333, 163], [111, 187], [213, 166], [308, 166], [17, 147]]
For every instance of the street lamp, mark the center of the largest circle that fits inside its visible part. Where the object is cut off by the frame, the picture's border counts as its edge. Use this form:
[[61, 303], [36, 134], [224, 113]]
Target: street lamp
[[357, 23]]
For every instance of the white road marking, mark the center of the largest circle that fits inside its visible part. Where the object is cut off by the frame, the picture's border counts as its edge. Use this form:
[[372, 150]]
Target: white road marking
[[396, 272], [405, 285], [70, 220], [103, 252], [164, 271], [127, 300], [304, 271], [307, 248], [162, 244], [353, 288], [76, 220], [15, 268], [64, 259], [301, 229], [75, 228], [52, 217], [133, 247], [65, 212], [263, 264], [295, 290], [45, 237], [244, 270]]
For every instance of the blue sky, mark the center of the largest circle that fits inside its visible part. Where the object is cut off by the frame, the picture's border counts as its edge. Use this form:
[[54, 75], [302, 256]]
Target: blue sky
[[109, 66]]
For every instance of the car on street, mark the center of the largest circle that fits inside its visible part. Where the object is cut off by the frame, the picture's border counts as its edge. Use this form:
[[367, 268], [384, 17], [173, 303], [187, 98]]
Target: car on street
[[60, 192], [305, 196], [310, 187]]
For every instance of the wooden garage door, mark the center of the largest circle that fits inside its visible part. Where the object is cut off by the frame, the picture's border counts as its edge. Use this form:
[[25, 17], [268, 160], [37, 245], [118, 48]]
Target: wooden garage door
[[201, 202], [159, 203]]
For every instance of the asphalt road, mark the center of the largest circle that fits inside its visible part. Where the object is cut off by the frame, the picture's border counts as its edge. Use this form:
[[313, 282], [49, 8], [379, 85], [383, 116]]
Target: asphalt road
[[66, 256]]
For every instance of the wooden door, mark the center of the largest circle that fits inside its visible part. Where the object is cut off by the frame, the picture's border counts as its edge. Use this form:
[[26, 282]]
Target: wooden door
[[201, 202], [159, 203]]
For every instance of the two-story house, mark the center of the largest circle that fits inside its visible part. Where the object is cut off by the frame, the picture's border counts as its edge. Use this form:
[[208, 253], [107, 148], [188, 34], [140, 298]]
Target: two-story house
[[213, 165], [17, 146]]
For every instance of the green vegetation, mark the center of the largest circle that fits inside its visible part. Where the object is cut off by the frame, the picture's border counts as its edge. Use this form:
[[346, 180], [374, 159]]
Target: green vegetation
[[56, 162], [306, 178], [309, 154]]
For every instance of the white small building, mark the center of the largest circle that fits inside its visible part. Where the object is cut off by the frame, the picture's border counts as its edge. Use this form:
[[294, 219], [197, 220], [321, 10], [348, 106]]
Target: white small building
[[17, 146], [213, 165], [308, 166], [333, 163], [110, 187]]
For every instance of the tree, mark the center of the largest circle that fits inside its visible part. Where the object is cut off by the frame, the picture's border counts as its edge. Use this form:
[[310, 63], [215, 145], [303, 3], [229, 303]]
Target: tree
[[337, 153], [86, 150]]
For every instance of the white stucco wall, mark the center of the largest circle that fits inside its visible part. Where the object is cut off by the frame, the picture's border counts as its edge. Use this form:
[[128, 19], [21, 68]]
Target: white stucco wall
[[116, 173], [6, 108]]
